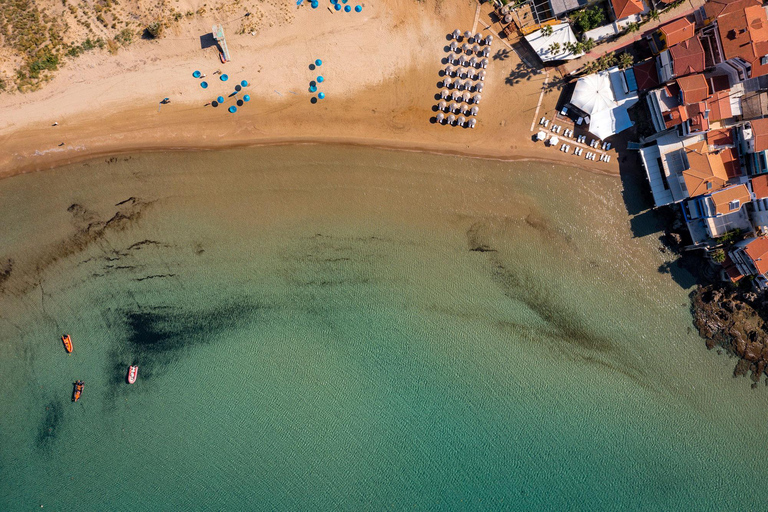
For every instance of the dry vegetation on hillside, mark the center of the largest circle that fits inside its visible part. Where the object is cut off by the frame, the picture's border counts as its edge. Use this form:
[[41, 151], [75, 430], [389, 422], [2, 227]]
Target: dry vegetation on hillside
[[37, 37]]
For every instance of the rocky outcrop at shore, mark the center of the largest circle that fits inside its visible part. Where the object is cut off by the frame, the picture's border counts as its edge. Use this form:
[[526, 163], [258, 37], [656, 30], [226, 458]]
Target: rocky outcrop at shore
[[734, 321]]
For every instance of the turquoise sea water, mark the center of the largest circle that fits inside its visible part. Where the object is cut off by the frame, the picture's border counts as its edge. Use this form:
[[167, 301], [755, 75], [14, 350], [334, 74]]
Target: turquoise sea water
[[330, 328]]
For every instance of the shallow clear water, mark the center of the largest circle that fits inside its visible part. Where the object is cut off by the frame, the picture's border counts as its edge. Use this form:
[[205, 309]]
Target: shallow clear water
[[314, 331]]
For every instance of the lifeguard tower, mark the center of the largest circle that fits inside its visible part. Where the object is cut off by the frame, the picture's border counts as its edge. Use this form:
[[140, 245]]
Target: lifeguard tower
[[218, 35]]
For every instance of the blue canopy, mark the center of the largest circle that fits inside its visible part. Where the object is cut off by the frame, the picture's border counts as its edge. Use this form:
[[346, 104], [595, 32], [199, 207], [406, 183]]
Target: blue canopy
[[321, 95], [318, 62], [244, 83], [337, 7], [233, 109], [314, 5], [358, 8], [196, 74], [204, 85], [320, 78], [347, 8], [220, 99], [224, 78], [312, 88], [247, 98]]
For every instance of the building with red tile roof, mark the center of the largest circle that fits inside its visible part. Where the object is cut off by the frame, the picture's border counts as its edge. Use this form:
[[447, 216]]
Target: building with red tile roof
[[715, 8], [624, 8], [687, 57], [645, 75], [678, 31], [750, 257], [694, 88], [743, 35], [705, 171], [760, 186]]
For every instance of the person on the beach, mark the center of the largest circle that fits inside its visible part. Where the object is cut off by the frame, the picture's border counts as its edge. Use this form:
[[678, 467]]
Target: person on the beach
[[202, 76], [55, 123]]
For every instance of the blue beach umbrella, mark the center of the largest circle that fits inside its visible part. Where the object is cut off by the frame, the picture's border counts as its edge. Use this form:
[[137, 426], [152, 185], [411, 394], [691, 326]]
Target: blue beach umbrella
[[220, 99], [344, 1], [358, 8], [204, 85], [196, 74], [312, 88], [318, 62], [320, 79], [246, 98], [347, 8], [321, 95], [244, 83], [233, 109], [314, 5], [337, 7], [224, 78]]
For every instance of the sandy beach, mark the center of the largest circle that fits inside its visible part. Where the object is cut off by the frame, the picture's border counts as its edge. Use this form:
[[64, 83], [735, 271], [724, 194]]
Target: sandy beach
[[381, 68]]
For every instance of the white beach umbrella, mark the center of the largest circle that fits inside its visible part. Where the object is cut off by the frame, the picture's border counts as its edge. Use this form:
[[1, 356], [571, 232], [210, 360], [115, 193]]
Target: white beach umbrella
[[484, 63], [505, 9], [481, 75], [463, 61], [473, 62], [449, 70], [445, 93], [465, 48], [541, 135], [461, 120], [474, 110], [477, 99], [466, 96], [440, 117], [456, 96], [456, 34], [465, 109], [479, 87], [472, 122], [507, 19], [454, 46], [488, 39], [478, 38], [446, 81], [467, 34], [450, 119], [476, 50], [441, 104], [486, 52], [553, 141]]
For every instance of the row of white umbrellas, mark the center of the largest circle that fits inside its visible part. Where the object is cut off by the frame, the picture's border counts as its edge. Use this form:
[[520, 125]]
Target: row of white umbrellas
[[473, 62], [477, 38], [458, 107], [457, 95], [450, 119], [461, 73], [469, 50]]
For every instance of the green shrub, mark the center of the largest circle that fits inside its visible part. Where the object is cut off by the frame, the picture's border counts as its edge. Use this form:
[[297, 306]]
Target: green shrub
[[718, 256], [155, 29]]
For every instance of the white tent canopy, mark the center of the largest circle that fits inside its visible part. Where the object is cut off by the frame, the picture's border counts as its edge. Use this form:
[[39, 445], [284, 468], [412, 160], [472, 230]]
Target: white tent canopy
[[609, 122], [561, 34], [601, 96], [593, 94]]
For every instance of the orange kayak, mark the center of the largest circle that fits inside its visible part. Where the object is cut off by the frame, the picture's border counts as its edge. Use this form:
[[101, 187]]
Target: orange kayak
[[77, 391], [67, 342]]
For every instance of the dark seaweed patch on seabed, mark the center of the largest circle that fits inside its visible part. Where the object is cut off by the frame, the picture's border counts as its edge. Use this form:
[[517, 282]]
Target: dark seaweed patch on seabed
[[157, 337], [49, 424]]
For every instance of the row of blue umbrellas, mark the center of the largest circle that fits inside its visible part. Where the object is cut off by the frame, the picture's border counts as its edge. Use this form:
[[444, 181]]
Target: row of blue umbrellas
[[320, 79]]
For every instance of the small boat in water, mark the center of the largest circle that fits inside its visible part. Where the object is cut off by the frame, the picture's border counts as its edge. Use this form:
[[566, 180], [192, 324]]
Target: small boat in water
[[77, 391], [133, 372], [67, 342]]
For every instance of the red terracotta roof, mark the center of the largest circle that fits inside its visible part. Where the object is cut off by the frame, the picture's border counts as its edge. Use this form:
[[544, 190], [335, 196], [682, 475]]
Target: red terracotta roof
[[687, 57], [760, 132], [719, 83], [678, 31], [730, 199], [731, 270], [694, 88], [715, 8], [720, 106], [744, 34], [724, 137], [646, 76], [624, 8], [760, 186], [721, 137], [705, 173], [757, 250]]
